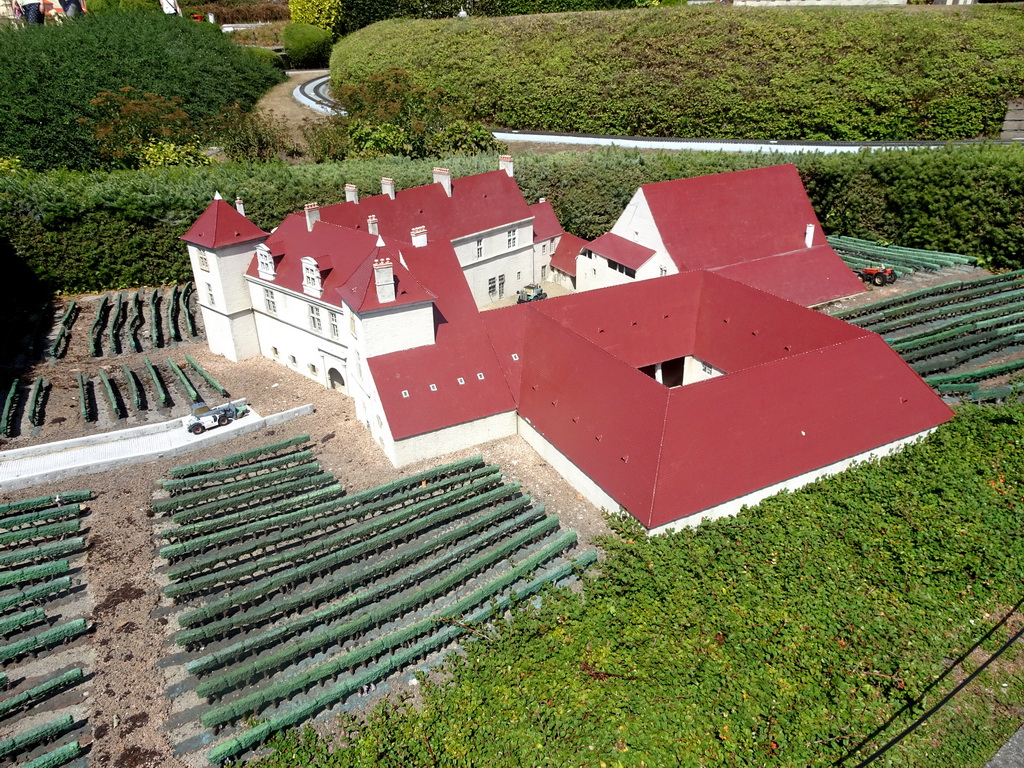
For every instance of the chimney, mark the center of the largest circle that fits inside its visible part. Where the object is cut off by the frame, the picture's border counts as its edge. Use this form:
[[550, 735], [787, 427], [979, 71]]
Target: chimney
[[239, 206], [351, 193], [419, 236], [384, 277], [387, 187], [371, 224], [443, 177], [808, 235], [505, 164], [312, 215]]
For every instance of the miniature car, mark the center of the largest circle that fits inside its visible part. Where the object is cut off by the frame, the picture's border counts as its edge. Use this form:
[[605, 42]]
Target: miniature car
[[203, 416], [531, 292]]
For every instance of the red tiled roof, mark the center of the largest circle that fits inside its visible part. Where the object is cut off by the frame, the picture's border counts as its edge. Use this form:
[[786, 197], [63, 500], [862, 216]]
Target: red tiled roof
[[478, 203], [564, 257], [545, 222], [462, 349], [809, 276], [219, 225], [801, 391], [620, 249], [345, 258], [728, 219]]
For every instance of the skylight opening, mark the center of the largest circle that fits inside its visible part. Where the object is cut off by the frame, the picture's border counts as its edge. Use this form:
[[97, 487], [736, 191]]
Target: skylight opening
[[480, 376], [433, 387], [515, 356], [405, 393], [461, 381]]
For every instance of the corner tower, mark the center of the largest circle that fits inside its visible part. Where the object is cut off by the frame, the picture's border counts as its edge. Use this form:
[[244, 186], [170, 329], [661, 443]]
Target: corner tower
[[221, 245]]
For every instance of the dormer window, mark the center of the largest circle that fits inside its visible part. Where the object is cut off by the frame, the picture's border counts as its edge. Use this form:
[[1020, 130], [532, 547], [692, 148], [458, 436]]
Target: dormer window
[[265, 262], [311, 277]]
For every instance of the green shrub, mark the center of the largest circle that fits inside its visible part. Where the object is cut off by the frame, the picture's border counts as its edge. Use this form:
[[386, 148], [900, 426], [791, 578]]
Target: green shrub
[[102, 231], [325, 14], [40, 104], [306, 46], [714, 72], [267, 56]]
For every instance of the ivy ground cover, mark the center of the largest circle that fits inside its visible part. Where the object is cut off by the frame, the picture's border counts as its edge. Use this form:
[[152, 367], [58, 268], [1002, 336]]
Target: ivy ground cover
[[786, 636]]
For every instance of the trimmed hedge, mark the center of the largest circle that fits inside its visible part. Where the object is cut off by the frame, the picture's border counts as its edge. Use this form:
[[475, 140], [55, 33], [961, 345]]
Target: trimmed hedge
[[93, 232], [755, 73], [306, 46], [40, 104]]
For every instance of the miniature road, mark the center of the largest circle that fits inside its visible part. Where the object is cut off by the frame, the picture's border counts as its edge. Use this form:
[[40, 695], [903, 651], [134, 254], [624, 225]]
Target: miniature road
[[24, 467]]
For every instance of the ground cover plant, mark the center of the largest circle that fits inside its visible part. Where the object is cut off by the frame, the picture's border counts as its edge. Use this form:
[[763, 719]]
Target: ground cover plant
[[51, 111], [785, 636], [79, 232], [713, 72]]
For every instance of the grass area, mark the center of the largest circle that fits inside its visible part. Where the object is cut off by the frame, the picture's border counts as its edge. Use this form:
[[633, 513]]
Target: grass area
[[786, 636], [721, 72], [266, 35]]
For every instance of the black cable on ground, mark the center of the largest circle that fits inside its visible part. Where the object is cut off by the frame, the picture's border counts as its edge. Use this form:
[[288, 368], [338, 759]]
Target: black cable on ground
[[945, 699]]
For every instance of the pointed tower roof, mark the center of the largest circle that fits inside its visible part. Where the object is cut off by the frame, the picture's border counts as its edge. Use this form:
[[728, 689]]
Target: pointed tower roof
[[219, 225]]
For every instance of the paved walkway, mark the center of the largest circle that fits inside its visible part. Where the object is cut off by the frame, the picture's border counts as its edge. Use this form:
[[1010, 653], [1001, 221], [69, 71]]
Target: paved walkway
[[52, 462]]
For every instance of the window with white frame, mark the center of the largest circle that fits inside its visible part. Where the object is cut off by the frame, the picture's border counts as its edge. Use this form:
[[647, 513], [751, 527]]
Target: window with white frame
[[264, 262], [270, 300], [480, 248], [333, 317], [513, 238], [310, 274], [315, 324], [203, 263], [209, 295], [492, 286], [662, 271]]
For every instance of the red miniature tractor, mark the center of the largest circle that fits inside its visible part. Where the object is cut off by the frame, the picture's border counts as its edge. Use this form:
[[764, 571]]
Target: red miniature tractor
[[877, 275]]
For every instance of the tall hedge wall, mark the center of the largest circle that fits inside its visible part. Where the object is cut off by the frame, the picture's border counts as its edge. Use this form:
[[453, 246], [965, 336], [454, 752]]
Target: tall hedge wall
[[89, 232], [714, 72]]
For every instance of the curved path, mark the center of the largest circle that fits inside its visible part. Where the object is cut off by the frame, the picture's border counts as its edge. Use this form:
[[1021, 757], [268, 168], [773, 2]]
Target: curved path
[[48, 462], [315, 94]]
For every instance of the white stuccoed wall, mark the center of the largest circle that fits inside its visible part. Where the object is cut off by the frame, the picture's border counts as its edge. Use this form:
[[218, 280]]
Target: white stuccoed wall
[[394, 329], [223, 299], [457, 438]]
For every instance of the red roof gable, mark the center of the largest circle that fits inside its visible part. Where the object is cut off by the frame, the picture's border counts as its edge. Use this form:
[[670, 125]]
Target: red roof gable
[[219, 225], [564, 257], [620, 249], [738, 218], [545, 222], [478, 203], [462, 350], [345, 258]]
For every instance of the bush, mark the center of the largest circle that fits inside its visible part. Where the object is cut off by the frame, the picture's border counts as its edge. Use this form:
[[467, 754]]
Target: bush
[[326, 14], [103, 231], [267, 56], [240, 12], [751, 73], [171, 57], [306, 46]]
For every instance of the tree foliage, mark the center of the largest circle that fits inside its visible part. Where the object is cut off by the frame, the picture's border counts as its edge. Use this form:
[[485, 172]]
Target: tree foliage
[[52, 76], [782, 637], [325, 14], [713, 72]]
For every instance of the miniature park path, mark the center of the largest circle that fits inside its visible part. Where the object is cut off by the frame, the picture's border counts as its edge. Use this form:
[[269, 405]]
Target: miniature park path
[[25, 467]]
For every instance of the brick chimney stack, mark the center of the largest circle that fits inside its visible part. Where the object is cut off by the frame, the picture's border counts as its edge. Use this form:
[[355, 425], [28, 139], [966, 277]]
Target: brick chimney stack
[[419, 236], [312, 215], [371, 224], [443, 177], [351, 193], [505, 164], [387, 187], [384, 277]]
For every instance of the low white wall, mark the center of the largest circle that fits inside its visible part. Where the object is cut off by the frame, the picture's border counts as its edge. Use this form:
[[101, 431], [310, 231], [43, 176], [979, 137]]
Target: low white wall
[[92, 462], [734, 506], [457, 438], [572, 474]]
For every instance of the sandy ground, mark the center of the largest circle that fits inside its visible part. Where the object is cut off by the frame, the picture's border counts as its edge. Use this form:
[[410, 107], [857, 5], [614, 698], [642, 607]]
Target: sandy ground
[[130, 720]]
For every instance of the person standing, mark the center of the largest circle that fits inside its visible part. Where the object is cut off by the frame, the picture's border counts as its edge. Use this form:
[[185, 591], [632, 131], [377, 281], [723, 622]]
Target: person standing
[[32, 11]]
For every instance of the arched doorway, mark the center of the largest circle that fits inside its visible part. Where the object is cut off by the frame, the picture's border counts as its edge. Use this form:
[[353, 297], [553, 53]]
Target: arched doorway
[[336, 380]]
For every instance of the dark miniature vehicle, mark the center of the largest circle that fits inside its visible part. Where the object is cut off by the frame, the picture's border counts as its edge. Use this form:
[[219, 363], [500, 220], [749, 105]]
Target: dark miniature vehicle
[[531, 292]]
